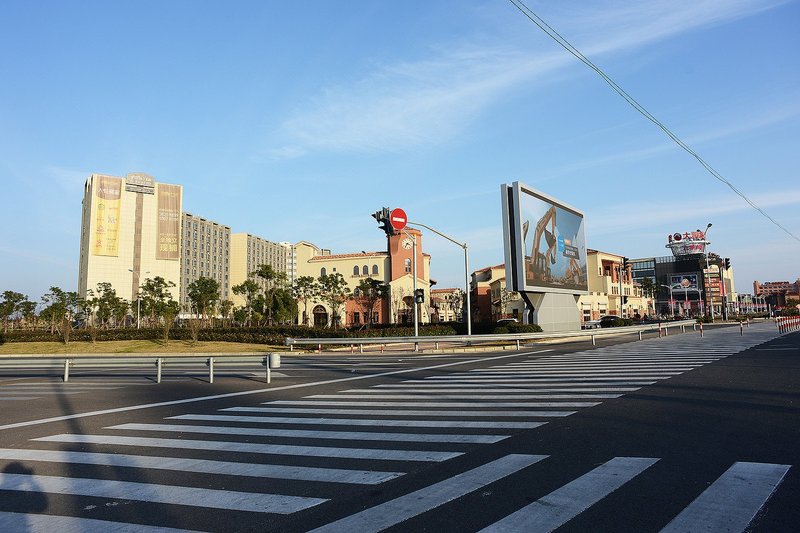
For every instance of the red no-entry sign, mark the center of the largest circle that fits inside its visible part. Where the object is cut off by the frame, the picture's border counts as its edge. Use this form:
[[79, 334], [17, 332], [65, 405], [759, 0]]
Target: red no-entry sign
[[398, 218]]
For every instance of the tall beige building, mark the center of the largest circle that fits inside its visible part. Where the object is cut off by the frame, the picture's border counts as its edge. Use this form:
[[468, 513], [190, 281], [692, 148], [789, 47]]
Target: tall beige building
[[130, 231], [248, 252], [205, 252]]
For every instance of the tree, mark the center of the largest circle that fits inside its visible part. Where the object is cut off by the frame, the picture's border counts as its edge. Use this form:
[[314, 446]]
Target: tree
[[157, 301], [27, 311], [271, 280], [204, 295], [369, 292], [506, 297], [248, 289], [333, 290], [225, 308], [306, 289], [399, 301], [60, 307], [650, 290], [107, 305], [10, 305], [455, 300], [284, 306]]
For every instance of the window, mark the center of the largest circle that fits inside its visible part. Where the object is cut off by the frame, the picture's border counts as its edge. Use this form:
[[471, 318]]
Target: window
[[408, 265], [365, 270], [355, 270], [323, 272], [356, 318], [374, 270]]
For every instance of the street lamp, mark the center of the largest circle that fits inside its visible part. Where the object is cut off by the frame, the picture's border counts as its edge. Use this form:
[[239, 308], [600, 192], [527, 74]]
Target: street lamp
[[138, 295], [671, 301], [709, 297]]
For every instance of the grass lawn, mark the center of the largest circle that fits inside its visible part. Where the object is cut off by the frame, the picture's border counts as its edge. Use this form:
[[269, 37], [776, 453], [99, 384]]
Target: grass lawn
[[138, 346]]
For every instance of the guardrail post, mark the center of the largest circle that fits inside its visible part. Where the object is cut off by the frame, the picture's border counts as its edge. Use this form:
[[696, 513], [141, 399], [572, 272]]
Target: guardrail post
[[67, 362], [361, 348], [210, 364], [659, 330], [158, 370], [594, 341], [683, 328], [319, 348], [741, 328], [640, 334], [517, 344], [701, 330], [436, 345], [694, 326], [416, 346]]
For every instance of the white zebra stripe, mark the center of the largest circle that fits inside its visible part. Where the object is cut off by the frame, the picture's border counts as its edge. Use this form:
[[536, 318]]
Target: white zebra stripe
[[466, 424], [560, 506], [509, 394], [403, 412], [304, 473], [246, 447], [306, 434], [149, 492], [732, 501], [410, 505], [73, 524], [421, 403]]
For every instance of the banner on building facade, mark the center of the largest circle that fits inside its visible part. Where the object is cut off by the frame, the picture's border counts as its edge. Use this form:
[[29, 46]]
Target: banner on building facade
[[169, 222], [108, 196], [684, 282]]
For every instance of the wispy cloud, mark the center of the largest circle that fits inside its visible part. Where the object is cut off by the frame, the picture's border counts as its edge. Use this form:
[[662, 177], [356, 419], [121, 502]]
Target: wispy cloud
[[432, 100], [68, 179]]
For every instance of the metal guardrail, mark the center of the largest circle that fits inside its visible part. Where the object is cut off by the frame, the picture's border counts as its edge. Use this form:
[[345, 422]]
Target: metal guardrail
[[506, 337], [66, 362]]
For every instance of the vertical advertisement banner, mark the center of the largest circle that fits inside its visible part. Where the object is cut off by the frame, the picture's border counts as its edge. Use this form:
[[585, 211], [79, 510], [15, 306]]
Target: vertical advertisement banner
[[108, 194], [169, 222]]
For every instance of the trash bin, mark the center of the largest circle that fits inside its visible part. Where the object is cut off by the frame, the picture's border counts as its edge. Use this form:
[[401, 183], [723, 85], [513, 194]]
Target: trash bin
[[274, 360]]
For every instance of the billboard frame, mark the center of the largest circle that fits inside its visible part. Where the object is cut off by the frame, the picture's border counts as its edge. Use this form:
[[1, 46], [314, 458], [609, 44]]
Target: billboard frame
[[514, 242]]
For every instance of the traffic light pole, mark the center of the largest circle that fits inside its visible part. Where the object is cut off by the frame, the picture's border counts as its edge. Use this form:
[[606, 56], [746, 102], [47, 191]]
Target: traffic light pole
[[414, 273], [466, 270]]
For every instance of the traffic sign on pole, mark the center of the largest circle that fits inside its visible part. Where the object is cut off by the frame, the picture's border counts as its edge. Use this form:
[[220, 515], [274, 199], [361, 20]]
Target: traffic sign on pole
[[398, 218]]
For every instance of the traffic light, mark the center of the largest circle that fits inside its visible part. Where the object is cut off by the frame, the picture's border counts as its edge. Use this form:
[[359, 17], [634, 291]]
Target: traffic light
[[382, 217], [625, 263], [727, 263], [419, 296]]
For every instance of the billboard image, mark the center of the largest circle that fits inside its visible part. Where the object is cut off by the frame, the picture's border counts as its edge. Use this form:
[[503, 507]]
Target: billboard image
[[687, 282], [545, 243], [169, 222], [105, 237]]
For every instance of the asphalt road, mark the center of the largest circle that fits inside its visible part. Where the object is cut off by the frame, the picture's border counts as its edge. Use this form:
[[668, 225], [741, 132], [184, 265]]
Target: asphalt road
[[678, 434]]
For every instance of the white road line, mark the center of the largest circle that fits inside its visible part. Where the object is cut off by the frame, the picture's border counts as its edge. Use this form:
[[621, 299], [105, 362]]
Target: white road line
[[509, 395], [40, 393], [423, 403], [251, 392], [17, 398], [513, 383], [308, 434], [456, 387], [732, 501], [465, 424], [170, 494], [564, 379], [577, 373], [72, 524], [402, 412], [246, 447], [561, 505], [400, 509], [303, 473]]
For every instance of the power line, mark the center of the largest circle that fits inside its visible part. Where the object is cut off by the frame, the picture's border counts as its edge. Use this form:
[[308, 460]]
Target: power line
[[553, 34]]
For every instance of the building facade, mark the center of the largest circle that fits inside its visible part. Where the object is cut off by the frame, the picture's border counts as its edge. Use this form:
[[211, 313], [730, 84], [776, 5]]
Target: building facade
[[248, 252], [447, 305], [205, 252], [130, 231], [612, 288], [394, 267]]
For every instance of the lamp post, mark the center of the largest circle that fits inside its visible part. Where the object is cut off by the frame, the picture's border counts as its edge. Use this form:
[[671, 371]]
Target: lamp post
[[671, 301], [138, 295], [709, 296]]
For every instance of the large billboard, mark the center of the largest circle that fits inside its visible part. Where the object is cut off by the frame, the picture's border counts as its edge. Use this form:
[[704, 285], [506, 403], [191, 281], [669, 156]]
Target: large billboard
[[169, 222], [105, 226], [545, 242], [684, 282]]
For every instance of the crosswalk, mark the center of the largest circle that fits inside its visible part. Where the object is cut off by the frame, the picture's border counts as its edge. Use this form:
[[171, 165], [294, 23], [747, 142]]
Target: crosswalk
[[284, 457]]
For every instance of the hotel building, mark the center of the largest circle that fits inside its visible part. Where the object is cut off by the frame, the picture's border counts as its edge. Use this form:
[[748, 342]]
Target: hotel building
[[205, 252]]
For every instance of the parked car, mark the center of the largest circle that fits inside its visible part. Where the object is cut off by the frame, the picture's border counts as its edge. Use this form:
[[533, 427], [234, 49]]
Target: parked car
[[507, 321], [591, 324]]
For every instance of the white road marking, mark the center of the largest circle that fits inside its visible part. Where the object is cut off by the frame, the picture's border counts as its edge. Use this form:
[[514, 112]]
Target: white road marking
[[72, 524], [170, 494], [363, 422], [316, 434], [456, 387], [246, 447], [561, 505], [732, 501], [304, 473], [423, 403], [410, 505], [509, 395], [401, 412]]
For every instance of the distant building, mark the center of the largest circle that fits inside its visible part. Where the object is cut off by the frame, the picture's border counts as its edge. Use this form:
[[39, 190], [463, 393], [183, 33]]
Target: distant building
[[393, 267], [447, 305], [481, 292], [605, 271], [248, 252], [205, 253], [130, 231]]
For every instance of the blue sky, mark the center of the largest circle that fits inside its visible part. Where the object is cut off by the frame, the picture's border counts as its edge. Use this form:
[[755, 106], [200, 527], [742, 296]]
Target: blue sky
[[297, 120]]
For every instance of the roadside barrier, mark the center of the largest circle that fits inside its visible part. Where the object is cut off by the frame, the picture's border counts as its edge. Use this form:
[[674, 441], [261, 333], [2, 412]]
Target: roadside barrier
[[788, 323]]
